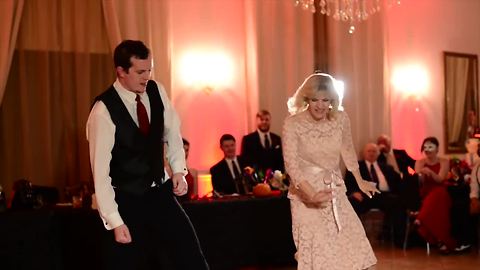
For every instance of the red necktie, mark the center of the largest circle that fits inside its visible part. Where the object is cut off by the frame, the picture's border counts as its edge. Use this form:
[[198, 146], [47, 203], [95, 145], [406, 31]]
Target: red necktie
[[143, 122]]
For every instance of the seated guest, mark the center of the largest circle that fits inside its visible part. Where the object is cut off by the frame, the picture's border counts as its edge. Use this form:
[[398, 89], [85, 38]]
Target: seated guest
[[227, 173], [471, 157], [397, 158], [474, 190], [401, 162], [387, 181], [433, 219], [262, 149], [472, 124], [462, 193], [192, 175]]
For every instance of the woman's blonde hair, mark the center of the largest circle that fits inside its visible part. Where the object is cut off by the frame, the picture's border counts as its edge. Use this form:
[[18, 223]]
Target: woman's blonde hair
[[309, 89]]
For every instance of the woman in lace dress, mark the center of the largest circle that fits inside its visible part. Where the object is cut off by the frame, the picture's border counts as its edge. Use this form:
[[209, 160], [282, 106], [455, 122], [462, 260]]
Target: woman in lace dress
[[326, 230]]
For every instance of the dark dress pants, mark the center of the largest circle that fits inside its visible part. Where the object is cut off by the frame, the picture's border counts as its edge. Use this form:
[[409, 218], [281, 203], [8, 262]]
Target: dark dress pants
[[162, 234], [391, 205]]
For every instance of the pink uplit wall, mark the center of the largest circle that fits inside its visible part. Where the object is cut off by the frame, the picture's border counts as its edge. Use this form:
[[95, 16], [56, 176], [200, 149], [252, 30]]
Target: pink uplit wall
[[418, 32], [206, 28]]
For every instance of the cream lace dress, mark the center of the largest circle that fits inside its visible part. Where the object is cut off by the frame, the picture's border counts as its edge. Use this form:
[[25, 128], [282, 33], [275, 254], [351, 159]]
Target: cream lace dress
[[332, 237]]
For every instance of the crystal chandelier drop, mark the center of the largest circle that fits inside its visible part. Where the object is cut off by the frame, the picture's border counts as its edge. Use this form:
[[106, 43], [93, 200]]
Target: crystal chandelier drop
[[351, 11]]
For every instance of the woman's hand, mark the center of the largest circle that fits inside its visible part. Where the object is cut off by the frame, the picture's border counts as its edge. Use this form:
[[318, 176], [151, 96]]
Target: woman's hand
[[322, 198], [426, 171], [368, 188]]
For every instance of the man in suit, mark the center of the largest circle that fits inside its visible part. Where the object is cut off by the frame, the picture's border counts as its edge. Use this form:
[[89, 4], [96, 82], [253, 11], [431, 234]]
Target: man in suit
[[397, 158], [227, 173], [262, 149], [401, 162], [387, 181]]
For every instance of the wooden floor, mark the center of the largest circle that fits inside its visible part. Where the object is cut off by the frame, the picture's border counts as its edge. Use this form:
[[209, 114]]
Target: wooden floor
[[391, 258]]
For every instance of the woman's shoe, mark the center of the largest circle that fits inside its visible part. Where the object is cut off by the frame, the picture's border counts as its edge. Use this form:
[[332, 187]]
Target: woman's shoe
[[462, 248]]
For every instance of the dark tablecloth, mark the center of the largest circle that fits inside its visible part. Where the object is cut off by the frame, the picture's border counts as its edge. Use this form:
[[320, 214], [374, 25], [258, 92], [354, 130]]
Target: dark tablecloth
[[233, 232]]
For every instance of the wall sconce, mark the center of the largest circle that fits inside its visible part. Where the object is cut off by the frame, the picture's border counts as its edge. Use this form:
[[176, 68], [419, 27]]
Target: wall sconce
[[207, 71], [411, 82]]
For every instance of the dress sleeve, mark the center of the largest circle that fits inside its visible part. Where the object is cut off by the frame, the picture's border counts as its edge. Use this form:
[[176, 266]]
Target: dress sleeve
[[349, 154], [290, 152]]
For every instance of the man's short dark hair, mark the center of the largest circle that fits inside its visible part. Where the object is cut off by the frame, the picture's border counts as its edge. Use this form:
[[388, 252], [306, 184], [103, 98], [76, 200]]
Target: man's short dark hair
[[126, 49], [226, 137], [262, 113]]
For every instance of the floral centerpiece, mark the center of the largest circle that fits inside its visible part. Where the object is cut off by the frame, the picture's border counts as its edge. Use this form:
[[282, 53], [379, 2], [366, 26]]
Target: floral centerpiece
[[264, 181]]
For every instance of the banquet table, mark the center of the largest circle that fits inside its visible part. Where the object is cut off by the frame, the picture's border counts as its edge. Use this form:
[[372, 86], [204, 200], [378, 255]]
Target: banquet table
[[233, 232]]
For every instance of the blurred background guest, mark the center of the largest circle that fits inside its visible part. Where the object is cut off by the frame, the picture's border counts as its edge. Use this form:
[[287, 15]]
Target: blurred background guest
[[474, 190], [397, 158], [262, 149], [192, 175], [471, 157], [405, 166], [227, 173], [388, 181], [472, 124], [433, 219]]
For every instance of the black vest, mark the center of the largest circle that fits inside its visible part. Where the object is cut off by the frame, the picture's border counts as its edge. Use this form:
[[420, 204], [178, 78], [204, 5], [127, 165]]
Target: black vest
[[137, 160]]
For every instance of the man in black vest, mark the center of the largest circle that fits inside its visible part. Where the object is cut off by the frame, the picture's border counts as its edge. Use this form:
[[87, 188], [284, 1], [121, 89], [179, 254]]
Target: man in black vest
[[126, 130]]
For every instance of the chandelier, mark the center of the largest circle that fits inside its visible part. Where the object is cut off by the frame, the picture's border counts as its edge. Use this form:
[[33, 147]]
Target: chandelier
[[345, 10]]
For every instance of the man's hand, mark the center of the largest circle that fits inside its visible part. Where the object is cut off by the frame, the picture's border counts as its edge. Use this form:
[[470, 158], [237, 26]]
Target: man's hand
[[180, 186], [122, 234], [382, 148]]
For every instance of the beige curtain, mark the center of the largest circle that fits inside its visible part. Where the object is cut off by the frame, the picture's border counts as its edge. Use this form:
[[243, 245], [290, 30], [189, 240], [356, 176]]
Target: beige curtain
[[456, 105], [61, 62], [144, 20], [10, 15], [280, 50], [358, 59]]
